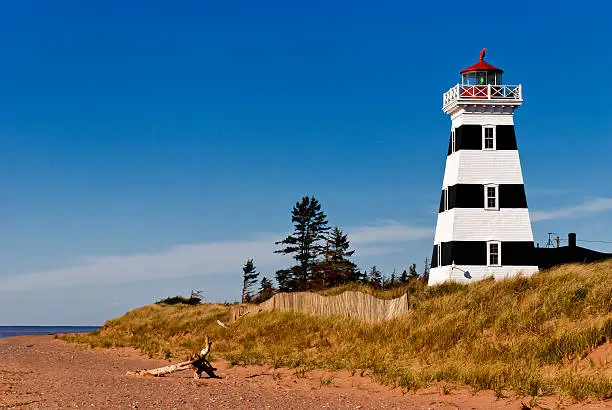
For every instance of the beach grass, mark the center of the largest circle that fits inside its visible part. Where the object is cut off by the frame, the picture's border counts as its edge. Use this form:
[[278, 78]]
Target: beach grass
[[530, 336]]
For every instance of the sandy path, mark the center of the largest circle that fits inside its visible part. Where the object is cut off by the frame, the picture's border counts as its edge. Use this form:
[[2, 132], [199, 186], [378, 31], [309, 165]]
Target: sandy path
[[41, 372]]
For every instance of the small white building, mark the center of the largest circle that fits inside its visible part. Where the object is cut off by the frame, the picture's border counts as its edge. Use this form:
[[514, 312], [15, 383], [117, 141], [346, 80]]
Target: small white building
[[483, 226]]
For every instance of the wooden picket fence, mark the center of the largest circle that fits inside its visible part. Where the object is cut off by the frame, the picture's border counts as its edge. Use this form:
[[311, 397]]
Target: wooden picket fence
[[348, 304]]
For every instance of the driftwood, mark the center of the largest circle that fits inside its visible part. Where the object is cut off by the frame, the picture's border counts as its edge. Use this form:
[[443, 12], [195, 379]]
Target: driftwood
[[198, 363]]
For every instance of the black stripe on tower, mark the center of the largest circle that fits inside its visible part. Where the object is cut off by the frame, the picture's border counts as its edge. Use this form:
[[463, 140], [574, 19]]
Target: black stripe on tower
[[434, 257], [470, 137], [475, 253], [473, 196]]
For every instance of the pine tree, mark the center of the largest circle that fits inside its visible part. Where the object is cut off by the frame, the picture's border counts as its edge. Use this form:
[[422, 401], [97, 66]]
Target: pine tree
[[425, 275], [413, 272], [335, 268], [266, 290], [284, 278], [375, 277], [361, 277], [310, 227], [339, 245], [249, 278], [404, 277]]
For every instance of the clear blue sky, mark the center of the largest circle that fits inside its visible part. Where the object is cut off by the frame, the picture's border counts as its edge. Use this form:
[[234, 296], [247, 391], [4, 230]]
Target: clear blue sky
[[147, 148]]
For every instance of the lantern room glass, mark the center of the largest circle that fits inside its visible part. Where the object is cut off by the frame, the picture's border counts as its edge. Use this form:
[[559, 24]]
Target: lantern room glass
[[481, 78]]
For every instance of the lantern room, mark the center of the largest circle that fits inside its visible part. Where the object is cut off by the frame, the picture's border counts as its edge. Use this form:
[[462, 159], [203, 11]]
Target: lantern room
[[481, 73], [479, 82]]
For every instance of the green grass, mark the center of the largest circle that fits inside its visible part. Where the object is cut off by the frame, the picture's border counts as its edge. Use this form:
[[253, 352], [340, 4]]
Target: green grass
[[521, 334]]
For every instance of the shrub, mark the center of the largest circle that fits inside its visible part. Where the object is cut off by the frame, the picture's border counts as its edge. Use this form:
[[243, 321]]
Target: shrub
[[194, 299]]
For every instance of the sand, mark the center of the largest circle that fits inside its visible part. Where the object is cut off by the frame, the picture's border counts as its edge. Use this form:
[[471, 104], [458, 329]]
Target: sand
[[43, 372]]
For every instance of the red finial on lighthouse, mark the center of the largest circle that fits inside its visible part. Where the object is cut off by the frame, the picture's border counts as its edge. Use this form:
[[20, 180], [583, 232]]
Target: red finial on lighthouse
[[481, 65], [482, 54]]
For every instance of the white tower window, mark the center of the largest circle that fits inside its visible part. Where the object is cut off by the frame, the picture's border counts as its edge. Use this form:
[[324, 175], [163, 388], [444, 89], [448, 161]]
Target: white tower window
[[453, 141], [489, 138], [494, 253], [491, 193]]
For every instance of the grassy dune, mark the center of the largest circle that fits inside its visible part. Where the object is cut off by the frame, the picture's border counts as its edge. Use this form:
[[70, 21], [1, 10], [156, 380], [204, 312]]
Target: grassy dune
[[526, 335]]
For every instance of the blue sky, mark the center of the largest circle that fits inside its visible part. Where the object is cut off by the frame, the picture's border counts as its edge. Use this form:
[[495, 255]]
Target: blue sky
[[148, 148]]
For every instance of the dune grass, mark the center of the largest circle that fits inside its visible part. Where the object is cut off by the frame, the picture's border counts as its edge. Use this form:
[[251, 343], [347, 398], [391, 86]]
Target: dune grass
[[525, 335]]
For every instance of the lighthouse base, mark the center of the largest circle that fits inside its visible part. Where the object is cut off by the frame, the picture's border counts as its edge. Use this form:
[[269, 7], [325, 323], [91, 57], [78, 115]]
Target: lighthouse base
[[442, 274]]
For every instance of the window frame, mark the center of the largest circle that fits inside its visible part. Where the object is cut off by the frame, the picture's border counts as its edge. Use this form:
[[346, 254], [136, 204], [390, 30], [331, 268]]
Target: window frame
[[484, 137], [445, 204], [486, 197], [453, 141], [498, 253], [440, 254]]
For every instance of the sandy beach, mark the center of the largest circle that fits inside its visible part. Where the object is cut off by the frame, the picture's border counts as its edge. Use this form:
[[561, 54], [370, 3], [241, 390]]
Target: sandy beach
[[43, 372]]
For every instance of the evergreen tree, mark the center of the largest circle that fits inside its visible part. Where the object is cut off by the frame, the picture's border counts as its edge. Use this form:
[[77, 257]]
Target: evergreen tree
[[358, 277], [375, 277], [266, 290], [425, 275], [249, 278], [413, 272], [285, 280], [361, 277], [335, 268], [310, 227], [404, 277]]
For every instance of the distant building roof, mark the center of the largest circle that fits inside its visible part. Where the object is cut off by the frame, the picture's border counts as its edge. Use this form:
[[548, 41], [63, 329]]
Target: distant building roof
[[549, 257]]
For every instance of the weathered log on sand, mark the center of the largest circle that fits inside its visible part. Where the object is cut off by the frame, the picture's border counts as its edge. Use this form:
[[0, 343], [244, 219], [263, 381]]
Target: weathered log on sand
[[198, 363]]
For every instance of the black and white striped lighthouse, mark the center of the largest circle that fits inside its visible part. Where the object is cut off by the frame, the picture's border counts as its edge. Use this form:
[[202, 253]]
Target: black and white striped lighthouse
[[483, 226]]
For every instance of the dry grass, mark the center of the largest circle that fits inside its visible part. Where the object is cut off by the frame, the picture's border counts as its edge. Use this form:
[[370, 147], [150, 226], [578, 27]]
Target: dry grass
[[520, 334], [412, 288]]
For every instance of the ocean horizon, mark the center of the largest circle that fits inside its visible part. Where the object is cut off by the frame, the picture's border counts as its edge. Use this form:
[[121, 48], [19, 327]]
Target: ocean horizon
[[10, 331]]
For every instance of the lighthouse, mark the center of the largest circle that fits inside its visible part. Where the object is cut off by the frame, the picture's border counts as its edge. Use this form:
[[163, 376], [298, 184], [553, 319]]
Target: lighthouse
[[483, 226]]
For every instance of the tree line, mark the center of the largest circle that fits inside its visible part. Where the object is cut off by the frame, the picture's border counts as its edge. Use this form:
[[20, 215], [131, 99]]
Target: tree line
[[321, 259]]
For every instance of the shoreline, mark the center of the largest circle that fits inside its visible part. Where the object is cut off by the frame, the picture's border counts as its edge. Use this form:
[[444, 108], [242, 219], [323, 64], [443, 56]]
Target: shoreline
[[43, 330], [41, 371]]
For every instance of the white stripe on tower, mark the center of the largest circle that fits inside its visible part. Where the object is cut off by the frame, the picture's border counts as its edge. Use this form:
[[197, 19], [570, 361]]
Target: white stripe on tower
[[470, 224], [482, 115], [483, 167]]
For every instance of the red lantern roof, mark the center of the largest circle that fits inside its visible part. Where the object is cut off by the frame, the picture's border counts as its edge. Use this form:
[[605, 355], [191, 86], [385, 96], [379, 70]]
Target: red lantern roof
[[481, 65]]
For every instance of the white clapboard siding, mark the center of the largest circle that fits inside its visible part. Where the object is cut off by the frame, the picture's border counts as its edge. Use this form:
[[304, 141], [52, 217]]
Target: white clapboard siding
[[445, 273], [497, 118], [483, 167], [473, 224]]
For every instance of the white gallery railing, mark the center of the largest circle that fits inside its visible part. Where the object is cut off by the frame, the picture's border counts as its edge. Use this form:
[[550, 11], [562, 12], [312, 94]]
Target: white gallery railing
[[483, 92]]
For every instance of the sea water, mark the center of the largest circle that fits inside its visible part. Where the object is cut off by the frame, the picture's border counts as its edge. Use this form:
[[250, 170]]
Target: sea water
[[9, 331]]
